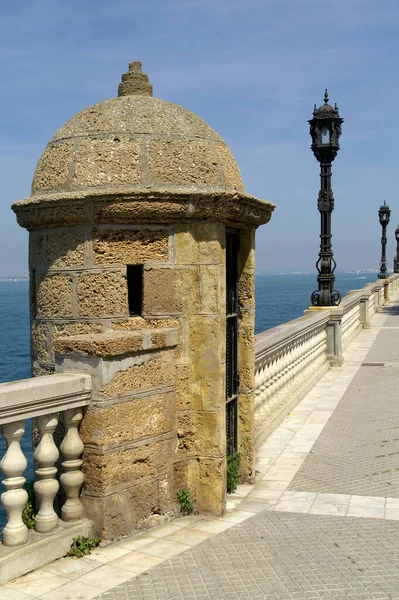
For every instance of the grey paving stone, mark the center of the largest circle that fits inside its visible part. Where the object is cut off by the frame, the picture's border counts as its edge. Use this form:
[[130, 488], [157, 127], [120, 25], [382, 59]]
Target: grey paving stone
[[358, 449], [283, 556]]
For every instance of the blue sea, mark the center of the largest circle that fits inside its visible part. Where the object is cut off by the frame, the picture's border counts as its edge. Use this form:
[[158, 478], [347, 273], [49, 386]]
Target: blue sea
[[279, 298]]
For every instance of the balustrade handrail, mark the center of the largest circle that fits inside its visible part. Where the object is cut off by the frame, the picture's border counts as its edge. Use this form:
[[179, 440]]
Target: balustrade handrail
[[46, 398], [27, 398], [277, 337]]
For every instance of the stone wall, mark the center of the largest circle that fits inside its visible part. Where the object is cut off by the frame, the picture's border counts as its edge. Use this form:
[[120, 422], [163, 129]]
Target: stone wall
[[157, 421], [78, 280], [129, 430]]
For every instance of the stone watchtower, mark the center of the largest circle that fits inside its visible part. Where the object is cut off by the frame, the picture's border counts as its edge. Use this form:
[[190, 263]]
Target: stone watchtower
[[141, 259]]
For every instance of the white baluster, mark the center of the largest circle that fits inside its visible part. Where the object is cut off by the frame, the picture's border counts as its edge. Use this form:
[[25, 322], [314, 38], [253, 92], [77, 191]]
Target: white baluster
[[14, 498], [46, 486], [72, 478]]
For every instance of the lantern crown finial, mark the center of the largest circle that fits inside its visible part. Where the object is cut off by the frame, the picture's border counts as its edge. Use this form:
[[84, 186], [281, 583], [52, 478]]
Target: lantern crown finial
[[326, 110]]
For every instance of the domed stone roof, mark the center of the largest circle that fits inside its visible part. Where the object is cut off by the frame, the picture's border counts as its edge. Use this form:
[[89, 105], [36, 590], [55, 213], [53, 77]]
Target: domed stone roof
[[136, 142], [137, 159]]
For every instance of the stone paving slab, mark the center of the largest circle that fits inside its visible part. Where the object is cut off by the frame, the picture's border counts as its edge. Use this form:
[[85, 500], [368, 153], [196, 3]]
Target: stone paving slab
[[280, 556], [358, 449]]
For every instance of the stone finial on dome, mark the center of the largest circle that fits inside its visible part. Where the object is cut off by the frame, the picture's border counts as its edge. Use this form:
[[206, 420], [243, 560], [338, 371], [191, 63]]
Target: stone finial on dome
[[135, 82]]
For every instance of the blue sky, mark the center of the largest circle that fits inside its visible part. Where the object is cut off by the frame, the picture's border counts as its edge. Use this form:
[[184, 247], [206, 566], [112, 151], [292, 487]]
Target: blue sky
[[252, 69]]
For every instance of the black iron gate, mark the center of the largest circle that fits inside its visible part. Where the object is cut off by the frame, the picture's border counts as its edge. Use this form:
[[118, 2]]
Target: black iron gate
[[232, 379]]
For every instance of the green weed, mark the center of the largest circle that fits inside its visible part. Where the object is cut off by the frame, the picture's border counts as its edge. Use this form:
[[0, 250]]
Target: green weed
[[187, 504], [82, 546]]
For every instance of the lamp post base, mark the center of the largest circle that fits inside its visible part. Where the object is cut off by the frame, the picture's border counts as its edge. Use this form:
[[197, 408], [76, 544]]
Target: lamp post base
[[325, 298]]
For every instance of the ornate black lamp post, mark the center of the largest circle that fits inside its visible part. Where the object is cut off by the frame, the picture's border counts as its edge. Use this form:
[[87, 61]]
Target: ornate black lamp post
[[383, 214], [396, 259], [325, 129]]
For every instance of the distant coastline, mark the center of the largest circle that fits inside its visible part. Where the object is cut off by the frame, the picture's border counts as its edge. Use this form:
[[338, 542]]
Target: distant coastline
[[14, 278], [301, 272], [266, 272]]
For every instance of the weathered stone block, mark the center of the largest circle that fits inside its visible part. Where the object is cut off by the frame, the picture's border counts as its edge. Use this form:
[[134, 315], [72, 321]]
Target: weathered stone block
[[246, 351], [184, 161], [246, 362], [211, 433], [100, 161], [39, 343], [207, 343], [247, 323], [159, 370], [141, 323], [213, 390], [116, 343], [123, 512], [246, 410], [246, 428], [117, 470], [128, 421], [185, 473], [163, 338], [212, 299], [246, 258], [65, 248], [144, 499], [170, 291], [246, 289], [110, 343], [211, 485], [201, 433], [112, 516], [35, 250], [71, 329], [54, 296], [62, 213], [182, 388], [200, 243], [52, 171], [101, 294], [130, 247], [186, 433], [166, 495]]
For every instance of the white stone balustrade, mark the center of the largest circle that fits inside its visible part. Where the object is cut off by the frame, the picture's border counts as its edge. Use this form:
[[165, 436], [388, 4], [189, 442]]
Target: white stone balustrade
[[46, 485], [351, 322], [72, 478], [290, 358], [44, 398], [13, 464], [288, 361]]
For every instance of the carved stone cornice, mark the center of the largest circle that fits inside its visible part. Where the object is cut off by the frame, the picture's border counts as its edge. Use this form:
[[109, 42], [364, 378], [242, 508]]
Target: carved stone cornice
[[141, 206]]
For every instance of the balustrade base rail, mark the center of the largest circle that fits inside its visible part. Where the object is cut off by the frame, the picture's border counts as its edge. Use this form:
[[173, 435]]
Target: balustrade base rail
[[40, 549]]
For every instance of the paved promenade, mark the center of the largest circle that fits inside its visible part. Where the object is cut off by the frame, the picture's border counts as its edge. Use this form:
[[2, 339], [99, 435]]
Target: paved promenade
[[321, 522]]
